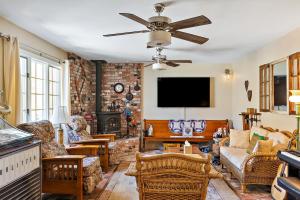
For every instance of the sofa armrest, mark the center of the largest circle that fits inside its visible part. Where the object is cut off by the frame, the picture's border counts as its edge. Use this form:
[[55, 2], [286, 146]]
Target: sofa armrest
[[92, 142], [261, 162], [224, 142], [92, 150]]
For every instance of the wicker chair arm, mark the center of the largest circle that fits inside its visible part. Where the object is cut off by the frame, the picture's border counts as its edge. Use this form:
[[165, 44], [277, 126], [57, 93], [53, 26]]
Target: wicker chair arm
[[224, 142], [258, 161], [92, 150]]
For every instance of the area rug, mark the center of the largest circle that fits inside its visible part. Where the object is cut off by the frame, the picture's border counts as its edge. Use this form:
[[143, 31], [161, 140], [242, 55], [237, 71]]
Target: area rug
[[254, 192], [122, 187]]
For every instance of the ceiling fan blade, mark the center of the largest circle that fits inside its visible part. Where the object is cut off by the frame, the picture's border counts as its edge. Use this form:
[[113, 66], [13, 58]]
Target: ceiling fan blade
[[126, 33], [189, 37], [148, 65], [172, 64], [180, 61], [135, 18], [191, 22]]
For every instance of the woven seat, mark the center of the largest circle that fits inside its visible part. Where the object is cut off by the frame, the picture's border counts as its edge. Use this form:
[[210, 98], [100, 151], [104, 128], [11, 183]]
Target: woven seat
[[171, 176]]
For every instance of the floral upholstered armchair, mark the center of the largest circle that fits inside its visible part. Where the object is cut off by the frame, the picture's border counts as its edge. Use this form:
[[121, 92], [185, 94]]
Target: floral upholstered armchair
[[65, 171], [78, 135]]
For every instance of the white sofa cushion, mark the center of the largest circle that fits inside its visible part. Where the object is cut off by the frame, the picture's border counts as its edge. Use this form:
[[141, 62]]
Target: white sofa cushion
[[235, 155], [278, 138], [239, 139], [259, 131]]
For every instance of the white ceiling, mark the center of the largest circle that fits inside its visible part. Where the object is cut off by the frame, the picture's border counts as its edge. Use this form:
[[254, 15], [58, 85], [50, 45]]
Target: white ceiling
[[238, 26]]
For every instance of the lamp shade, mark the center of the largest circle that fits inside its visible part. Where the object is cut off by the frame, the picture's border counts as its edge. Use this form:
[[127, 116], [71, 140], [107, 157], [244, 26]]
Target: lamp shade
[[295, 97], [60, 115], [159, 66]]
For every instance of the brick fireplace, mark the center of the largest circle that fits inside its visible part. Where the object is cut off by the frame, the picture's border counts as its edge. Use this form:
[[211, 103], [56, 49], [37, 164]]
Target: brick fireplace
[[92, 91]]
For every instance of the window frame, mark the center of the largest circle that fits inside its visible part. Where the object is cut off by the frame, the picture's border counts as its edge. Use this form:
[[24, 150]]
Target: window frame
[[48, 64], [263, 82]]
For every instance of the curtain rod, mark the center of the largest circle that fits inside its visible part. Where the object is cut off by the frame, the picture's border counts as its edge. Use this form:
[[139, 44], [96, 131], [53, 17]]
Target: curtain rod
[[4, 36], [35, 51], [40, 53]]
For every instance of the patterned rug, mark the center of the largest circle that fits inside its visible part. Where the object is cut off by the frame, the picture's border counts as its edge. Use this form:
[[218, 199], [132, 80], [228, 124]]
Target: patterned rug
[[122, 187], [254, 192]]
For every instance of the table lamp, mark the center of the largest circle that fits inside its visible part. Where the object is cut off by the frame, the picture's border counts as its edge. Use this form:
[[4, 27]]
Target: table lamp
[[295, 98], [60, 116]]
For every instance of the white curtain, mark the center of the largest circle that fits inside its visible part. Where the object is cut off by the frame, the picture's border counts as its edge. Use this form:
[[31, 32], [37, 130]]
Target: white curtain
[[10, 77], [66, 100]]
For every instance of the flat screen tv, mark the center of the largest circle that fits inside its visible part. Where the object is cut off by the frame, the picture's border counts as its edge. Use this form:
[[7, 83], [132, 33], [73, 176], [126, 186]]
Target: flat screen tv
[[183, 92]]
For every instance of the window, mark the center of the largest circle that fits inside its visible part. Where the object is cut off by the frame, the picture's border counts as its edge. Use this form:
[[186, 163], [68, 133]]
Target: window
[[40, 89], [294, 78], [264, 90]]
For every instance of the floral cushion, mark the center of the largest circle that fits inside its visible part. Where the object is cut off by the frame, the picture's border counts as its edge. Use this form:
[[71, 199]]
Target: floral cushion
[[52, 149], [41, 130], [90, 182], [92, 173], [77, 123], [74, 136], [90, 165]]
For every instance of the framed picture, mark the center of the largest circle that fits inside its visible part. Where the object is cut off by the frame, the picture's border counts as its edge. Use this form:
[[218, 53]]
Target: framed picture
[[187, 131]]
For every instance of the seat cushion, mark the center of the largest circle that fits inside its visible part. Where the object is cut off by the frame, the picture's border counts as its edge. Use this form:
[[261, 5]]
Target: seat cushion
[[90, 165], [235, 155]]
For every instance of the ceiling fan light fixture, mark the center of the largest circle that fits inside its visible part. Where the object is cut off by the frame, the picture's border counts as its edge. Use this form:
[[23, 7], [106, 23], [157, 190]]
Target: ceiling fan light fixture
[[159, 38], [159, 66]]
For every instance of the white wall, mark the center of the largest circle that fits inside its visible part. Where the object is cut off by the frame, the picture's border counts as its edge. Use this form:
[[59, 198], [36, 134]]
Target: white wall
[[247, 68], [30, 39], [222, 109]]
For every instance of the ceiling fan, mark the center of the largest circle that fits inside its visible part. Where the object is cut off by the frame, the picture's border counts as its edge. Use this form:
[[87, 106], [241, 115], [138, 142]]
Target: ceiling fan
[[160, 62], [161, 29]]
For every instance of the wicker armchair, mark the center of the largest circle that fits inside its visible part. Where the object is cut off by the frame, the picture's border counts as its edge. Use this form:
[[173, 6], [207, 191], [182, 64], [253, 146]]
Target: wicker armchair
[[65, 171], [257, 168], [171, 176], [77, 135]]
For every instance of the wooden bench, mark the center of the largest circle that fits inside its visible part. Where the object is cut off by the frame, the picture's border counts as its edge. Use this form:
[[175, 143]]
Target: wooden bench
[[162, 133]]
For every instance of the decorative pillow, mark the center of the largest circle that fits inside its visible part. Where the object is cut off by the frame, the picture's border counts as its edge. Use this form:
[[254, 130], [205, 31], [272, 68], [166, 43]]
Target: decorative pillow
[[258, 131], [263, 146], [186, 123], [278, 147], [253, 141], [239, 139], [77, 123], [85, 135], [278, 138], [199, 126], [175, 126]]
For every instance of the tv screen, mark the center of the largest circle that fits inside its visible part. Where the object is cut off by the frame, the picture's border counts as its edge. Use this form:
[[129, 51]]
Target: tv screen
[[183, 92]]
